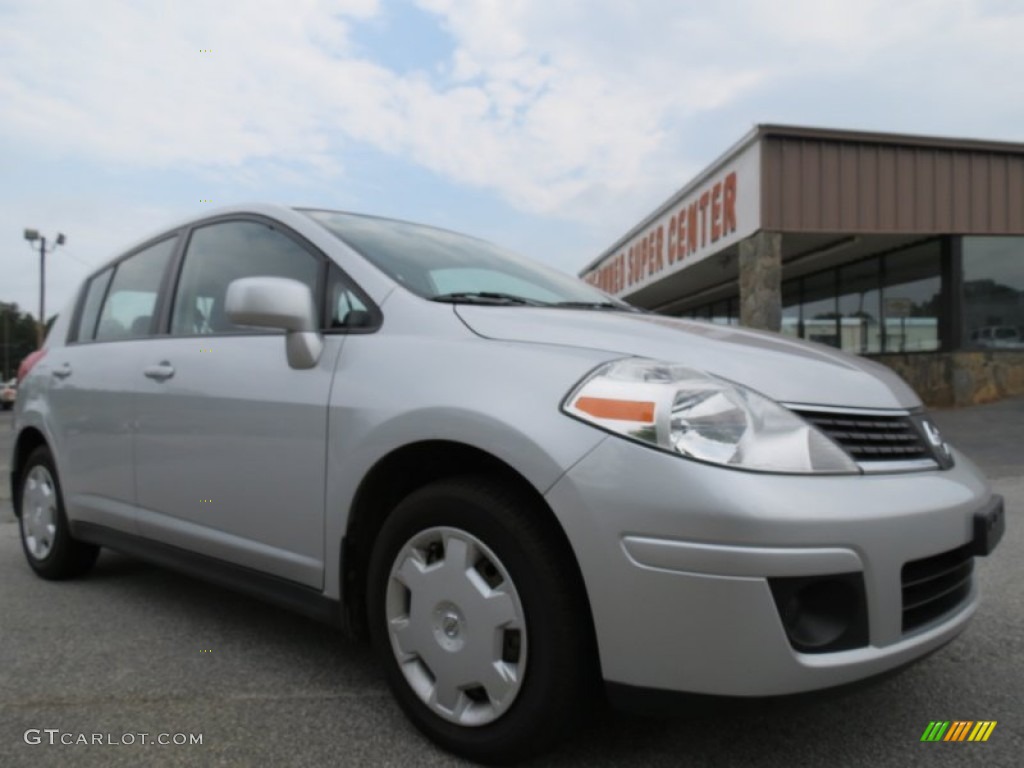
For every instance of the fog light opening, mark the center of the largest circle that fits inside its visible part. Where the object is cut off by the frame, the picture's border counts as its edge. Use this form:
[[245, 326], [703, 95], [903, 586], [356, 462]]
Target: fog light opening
[[822, 614]]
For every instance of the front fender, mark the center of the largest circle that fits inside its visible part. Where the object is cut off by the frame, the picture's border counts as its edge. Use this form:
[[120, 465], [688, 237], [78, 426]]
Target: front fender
[[500, 398]]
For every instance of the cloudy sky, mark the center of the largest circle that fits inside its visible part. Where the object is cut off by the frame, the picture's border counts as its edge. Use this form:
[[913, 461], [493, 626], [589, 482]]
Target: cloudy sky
[[548, 126]]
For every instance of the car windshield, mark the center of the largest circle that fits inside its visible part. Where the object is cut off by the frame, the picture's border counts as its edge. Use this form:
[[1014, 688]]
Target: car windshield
[[446, 266]]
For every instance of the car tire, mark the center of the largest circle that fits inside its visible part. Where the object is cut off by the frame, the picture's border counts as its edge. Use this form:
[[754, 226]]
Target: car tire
[[45, 534], [479, 618]]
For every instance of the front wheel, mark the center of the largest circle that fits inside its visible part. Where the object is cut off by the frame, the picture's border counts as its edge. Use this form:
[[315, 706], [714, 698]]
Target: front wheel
[[479, 620]]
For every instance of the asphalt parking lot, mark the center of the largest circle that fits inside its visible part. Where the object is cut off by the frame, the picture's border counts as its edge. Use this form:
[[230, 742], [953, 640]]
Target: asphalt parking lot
[[135, 649]]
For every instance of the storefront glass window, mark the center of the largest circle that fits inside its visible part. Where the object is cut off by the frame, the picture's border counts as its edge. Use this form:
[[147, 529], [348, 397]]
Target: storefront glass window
[[720, 313], [912, 298], [791, 308], [819, 309], [893, 302], [993, 304], [860, 307]]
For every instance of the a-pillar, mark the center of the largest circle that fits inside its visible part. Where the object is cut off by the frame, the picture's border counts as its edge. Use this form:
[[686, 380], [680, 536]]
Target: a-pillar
[[761, 281]]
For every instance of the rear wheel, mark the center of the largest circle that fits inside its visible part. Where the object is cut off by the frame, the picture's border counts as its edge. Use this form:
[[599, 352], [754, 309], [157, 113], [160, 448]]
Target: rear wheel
[[45, 535], [477, 616]]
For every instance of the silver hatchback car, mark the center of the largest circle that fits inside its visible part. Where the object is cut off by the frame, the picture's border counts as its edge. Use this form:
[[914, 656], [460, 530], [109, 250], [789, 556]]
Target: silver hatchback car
[[528, 495]]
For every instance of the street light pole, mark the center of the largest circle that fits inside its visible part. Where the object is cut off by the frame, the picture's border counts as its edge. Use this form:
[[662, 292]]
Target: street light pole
[[32, 235], [41, 328]]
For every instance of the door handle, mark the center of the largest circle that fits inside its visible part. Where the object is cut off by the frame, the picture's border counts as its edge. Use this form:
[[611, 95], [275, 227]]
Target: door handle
[[160, 372], [63, 372]]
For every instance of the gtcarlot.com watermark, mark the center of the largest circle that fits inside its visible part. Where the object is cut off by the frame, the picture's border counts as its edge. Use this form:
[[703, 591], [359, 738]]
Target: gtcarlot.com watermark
[[55, 736]]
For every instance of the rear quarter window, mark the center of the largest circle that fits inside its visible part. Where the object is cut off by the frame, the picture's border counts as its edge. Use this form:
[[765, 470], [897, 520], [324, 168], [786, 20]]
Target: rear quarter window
[[94, 293], [128, 308]]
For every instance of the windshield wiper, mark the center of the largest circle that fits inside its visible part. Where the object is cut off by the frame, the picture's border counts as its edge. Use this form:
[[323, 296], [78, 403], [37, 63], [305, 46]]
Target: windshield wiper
[[593, 305], [485, 297]]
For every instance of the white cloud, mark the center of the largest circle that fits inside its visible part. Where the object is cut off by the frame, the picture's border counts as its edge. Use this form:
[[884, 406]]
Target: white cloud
[[130, 82], [566, 108], [518, 109]]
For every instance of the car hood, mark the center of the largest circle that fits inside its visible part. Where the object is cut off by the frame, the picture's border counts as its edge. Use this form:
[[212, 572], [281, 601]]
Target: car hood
[[784, 369]]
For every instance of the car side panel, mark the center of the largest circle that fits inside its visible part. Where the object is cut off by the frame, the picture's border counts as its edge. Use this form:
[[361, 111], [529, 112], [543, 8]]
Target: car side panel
[[89, 423], [230, 452]]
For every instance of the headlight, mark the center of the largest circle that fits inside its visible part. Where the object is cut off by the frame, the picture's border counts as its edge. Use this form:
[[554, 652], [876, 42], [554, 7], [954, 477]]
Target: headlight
[[703, 417]]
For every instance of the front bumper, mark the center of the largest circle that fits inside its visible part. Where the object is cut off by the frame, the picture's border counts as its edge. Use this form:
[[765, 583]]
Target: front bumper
[[677, 558]]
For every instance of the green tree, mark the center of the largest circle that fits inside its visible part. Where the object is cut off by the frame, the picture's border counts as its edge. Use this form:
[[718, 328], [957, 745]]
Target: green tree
[[17, 338]]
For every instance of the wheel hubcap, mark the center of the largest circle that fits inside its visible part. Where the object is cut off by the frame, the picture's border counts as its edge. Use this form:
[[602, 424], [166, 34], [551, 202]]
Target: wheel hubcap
[[39, 512], [457, 626], [451, 626], [448, 623]]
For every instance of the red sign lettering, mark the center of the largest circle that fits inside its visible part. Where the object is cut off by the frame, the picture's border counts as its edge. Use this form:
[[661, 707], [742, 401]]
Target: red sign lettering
[[706, 219], [729, 204]]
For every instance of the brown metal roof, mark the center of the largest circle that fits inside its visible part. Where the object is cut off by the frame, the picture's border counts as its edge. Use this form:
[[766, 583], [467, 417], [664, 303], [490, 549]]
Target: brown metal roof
[[891, 139], [845, 181]]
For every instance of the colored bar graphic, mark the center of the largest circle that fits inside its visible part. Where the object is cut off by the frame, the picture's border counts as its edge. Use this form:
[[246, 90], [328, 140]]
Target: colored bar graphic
[[935, 730], [982, 730], [958, 730]]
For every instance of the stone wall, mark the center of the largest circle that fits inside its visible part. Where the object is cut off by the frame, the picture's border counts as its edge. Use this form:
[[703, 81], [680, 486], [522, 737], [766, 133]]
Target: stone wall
[[960, 378], [760, 268]]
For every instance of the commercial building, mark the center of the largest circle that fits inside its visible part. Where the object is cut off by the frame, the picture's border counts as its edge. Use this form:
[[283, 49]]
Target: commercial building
[[908, 249]]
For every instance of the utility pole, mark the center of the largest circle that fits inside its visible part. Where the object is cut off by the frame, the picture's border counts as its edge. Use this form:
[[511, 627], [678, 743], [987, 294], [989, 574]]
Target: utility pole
[[32, 235]]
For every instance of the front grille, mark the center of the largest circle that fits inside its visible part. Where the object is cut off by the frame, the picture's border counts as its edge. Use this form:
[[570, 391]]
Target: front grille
[[935, 585], [870, 437]]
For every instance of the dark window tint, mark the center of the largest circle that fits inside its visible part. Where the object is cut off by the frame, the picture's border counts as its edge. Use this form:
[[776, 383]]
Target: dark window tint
[[855, 308], [993, 269], [860, 307], [791, 308], [720, 313], [819, 309], [128, 310], [94, 292], [220, 253], [912, 297]]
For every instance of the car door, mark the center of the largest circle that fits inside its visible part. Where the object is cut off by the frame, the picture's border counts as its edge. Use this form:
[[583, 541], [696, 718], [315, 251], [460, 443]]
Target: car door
[[91, 388], [231, 443]]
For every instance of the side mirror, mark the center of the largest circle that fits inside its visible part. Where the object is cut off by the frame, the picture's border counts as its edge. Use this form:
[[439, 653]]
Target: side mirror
[[278, 302]]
